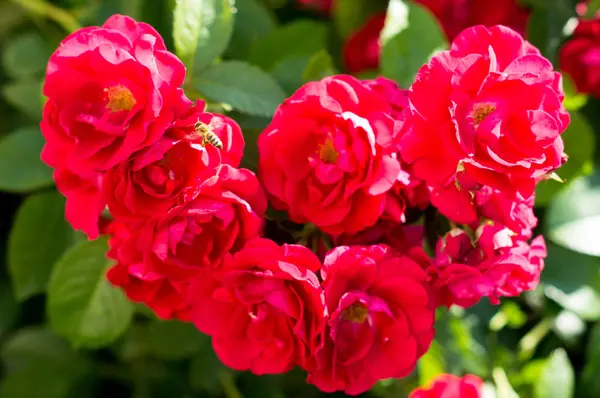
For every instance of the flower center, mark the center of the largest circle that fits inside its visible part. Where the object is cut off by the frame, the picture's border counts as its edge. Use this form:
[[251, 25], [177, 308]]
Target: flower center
[[120, 98], [356, 313], [481, 111], [327, 152]]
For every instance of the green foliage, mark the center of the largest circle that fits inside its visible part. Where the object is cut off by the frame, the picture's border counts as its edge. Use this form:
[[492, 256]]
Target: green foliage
[[242, 86], [21, 169], [409, 38], [32, 251], [82, 305], [557, 378]]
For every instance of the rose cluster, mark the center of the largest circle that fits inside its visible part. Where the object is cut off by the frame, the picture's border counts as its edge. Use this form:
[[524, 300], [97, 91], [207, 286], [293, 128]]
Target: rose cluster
[[354, 164]]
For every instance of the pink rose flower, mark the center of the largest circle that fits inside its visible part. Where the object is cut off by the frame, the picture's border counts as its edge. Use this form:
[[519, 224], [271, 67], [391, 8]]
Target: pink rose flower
[[451, 386]]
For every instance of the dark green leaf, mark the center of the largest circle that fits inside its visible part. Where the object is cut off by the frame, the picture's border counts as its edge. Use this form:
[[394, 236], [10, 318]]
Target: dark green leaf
[[9, 308], [39, 364], [253, 21], [319, 66], [11, 15], [201, 31], [572, 280], [82, 305], [206, 369], [38, 238], [580, 142], [173, 340], [25, 56], [590, 378], [21, 169], [410, 37], [545, 26], [557, 378], [243, 86], [573, 217], [289, 72], [350, 15], [26, 97], [301, 37]]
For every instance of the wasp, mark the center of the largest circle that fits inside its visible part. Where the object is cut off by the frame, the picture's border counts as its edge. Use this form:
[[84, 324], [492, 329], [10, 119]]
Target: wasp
[[208, 136]]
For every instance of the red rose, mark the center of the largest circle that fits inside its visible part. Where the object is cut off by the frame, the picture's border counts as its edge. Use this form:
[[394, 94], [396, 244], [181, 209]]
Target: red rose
[[578, 57], [380, 317], [388, 89], [447, 385], [457, 15], [328, 157], [84, 199], [164, 297], [495, 265], [226, 129], [111, 91], [155, 179], [396, 235], [220, 216], [263, 308], [361, 51], [495, 120]]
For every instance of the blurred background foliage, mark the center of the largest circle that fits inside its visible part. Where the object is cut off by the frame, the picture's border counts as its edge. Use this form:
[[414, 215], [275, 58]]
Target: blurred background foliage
[[65, 332]]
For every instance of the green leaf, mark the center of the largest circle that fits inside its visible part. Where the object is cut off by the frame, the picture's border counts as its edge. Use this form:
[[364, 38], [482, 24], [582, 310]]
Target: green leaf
[[38, 238], [82, 306], [301, 37], [21, 169], [206, 369], [580, 142], [289, 72], [201, 31], [253, 21], [591, 369], [39, 364], [573, 217], [432, 364], [575, 287], [9, 308], [350, 15], [557, 378], [410, 37], [243, 86], [592, 8], [26, 97], [25, 56], [319, 66], [546, 24], [173, 340], [573, 100]]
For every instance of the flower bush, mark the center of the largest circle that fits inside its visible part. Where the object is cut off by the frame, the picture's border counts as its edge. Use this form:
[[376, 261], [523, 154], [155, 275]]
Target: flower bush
[[304, 199]]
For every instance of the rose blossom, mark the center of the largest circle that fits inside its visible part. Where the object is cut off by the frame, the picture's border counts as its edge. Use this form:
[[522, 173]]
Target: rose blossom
[[398, 236], [223, 213], [457, 15], [141, 285], [111, 91], [380, 317], [495, 265], [155, 179], [228, 131], [263, 308], [394, 95], [451, 386], [84, 199], [362, 50], [578, 56], [495, 120], [328, 157]]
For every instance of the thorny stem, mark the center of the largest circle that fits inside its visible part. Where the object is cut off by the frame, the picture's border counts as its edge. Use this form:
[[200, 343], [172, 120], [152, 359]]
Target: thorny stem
[[45, 9]]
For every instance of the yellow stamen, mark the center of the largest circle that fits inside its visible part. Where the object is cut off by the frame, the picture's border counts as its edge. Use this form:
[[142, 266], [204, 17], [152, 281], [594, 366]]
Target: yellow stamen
[[356, 313], [481, 111], [327, 152], [120, 98]]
